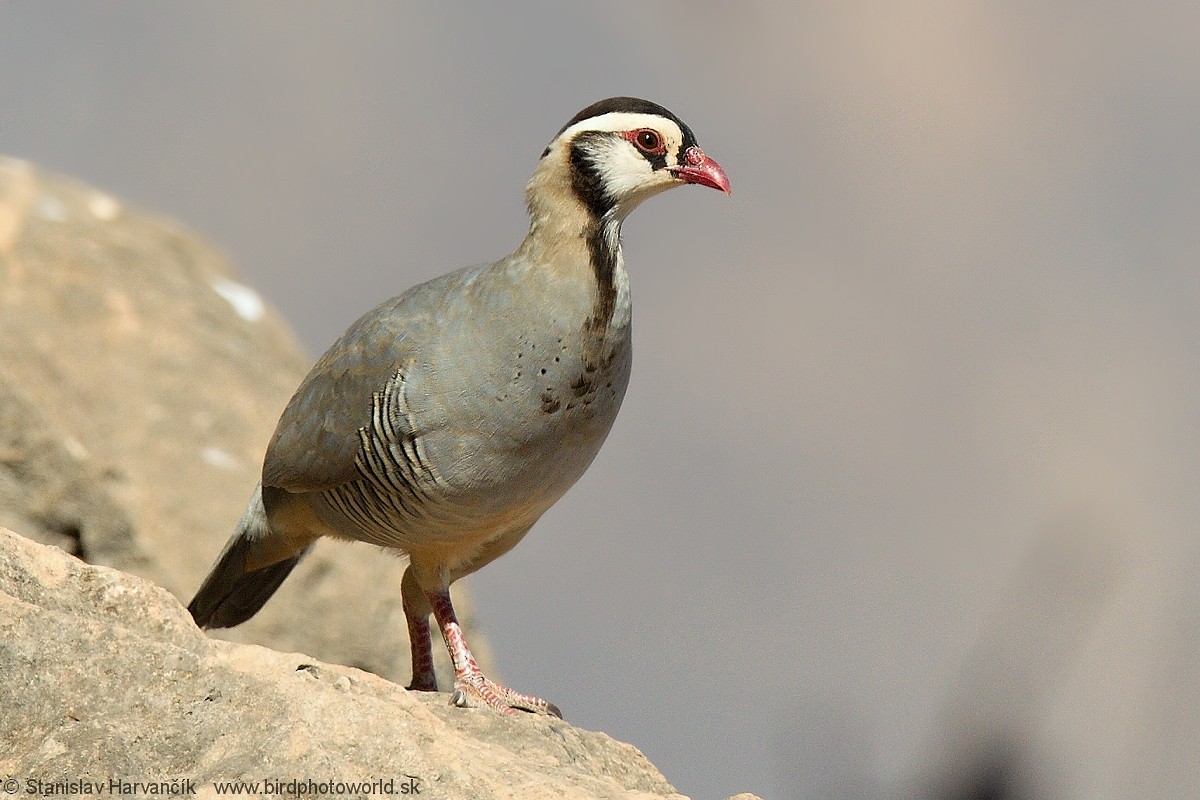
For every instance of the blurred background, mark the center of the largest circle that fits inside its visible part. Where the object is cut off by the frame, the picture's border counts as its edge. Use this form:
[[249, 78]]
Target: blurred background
[[903, 499]]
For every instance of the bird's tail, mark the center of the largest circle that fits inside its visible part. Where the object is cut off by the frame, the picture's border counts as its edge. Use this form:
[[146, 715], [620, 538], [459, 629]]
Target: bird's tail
[[250, 569]]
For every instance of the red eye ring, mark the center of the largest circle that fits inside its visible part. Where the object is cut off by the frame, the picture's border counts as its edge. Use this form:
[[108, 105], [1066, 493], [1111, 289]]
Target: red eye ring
[[647, 140]]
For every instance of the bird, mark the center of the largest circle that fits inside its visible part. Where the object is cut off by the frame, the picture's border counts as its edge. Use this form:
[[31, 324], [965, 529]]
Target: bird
[[445, 421]]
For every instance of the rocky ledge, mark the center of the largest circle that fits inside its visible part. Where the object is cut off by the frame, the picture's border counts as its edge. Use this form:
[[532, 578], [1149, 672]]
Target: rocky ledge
[[106, 680]]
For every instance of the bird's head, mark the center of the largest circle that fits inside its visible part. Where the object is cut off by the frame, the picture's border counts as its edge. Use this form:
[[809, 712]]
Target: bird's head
[[614, 154]]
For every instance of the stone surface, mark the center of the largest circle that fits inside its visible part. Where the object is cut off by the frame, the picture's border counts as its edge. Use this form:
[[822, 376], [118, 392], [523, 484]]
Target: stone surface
[[139, 384], [104, 677]]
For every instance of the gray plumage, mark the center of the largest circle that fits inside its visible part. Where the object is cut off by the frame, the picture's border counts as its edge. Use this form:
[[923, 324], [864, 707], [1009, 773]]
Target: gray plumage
[[473, 403], [444, 422]]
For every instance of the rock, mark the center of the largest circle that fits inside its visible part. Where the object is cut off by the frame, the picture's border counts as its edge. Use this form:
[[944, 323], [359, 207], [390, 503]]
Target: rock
[[46, 488], [139, 384], [105, 678]]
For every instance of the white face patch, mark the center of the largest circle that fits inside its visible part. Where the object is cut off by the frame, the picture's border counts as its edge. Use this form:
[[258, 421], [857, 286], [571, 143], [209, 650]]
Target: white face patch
[[626, 173], [623, 170]]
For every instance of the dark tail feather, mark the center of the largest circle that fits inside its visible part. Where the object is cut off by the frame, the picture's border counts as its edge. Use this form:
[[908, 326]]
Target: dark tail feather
[[234, 590], [230, 595]]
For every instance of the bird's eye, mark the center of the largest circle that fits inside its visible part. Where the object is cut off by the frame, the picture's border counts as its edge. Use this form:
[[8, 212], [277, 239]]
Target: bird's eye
[[648, 141]]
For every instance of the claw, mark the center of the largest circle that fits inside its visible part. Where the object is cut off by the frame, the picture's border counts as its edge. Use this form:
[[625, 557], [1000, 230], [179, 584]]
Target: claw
[[473, 686]]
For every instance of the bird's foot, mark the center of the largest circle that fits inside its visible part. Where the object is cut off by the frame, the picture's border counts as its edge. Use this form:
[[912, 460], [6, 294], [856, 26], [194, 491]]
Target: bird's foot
[[470, 687], [474, 689]]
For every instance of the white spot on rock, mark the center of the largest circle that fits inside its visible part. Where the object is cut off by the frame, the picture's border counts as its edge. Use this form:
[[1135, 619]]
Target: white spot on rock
[[216, 457], [52, 748], [75, 448], [103, 207], [51, 208], [245, 301]]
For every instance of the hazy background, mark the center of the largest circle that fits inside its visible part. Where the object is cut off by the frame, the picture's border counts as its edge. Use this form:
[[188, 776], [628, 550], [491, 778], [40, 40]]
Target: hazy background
[[907, 477]]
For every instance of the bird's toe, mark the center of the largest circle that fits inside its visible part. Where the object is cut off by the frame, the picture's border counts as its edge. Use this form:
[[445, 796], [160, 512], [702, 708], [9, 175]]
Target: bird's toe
[[476, 690]]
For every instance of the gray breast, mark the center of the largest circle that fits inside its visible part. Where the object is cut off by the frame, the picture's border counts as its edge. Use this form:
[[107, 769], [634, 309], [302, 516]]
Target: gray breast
[[491, 420]]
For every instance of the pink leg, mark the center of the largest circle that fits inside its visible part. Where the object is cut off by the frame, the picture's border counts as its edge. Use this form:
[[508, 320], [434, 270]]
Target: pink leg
[[416, 612], [468, 680]]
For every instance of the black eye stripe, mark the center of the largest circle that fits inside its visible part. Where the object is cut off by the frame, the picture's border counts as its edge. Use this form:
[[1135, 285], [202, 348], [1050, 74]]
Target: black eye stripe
[[657, 160]]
